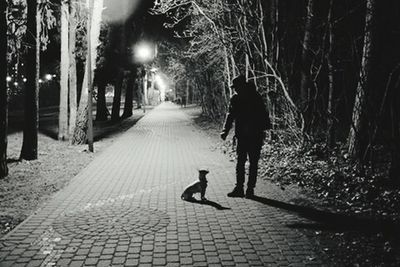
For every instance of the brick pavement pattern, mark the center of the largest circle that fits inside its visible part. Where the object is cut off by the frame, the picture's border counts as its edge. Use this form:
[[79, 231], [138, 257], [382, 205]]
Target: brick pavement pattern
[[124, 209]]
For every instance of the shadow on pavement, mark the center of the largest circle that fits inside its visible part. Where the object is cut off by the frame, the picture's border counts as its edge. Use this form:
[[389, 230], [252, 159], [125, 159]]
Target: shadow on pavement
[[13, 160], [324, 220], [208, 202], [48, 123]]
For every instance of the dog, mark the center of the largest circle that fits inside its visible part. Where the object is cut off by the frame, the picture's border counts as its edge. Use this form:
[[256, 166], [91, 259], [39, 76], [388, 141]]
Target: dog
[[198, 186]]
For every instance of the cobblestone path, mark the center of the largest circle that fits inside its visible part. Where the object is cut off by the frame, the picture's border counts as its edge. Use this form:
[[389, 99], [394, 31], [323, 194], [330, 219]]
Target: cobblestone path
[[124, 209]]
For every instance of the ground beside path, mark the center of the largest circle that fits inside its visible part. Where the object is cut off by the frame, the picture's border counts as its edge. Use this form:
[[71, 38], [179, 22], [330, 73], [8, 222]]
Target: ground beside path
[[31, 183], [124, 209]]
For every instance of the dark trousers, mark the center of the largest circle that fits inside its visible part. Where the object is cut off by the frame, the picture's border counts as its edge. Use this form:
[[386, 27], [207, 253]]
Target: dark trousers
[[250, 147]]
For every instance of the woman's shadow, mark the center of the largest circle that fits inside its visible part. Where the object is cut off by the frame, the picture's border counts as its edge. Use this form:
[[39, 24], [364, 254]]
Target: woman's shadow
[[207, 202]]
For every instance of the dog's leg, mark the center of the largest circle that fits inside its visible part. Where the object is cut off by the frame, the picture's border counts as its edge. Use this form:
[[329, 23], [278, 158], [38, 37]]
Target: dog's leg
[[203, 192]]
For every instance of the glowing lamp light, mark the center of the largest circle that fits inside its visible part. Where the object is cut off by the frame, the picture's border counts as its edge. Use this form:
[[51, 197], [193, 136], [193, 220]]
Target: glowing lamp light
[[8, 79], [15, 84], [40, 80], [161, 84], [143, 52], [24, 79], [48, 77]]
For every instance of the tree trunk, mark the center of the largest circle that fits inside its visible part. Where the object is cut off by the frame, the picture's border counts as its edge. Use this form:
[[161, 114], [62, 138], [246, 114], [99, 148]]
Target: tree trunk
[[80, 131], [129, 95], [72, 70], [3, 92], [90, 72], [227, 73], [64, 67], [356, 141], [394, 171], [187, 92], [330, 134], [115, 112], [305, 82], [101, 107], [116, 107], [29, 149]]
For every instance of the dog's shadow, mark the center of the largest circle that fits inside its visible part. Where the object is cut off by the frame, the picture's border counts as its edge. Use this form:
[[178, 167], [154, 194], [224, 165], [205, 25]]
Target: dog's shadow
[[207, 202]]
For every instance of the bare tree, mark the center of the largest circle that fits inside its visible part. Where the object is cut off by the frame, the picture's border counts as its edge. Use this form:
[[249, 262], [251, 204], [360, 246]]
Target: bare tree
[[3, 91], [305, 84], [356, 138], [330, 133]]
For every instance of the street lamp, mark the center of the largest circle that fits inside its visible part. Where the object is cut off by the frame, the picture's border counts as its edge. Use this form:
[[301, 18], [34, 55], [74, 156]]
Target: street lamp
[[143, 52]]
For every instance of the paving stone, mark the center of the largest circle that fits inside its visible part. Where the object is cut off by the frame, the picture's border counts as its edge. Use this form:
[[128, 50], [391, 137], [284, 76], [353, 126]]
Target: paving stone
[[118, 260], [132, 262], [159, 261], [77, 263], [106, 257], [104, 263], [108, 251], [82, 251], [12, 258], [147, 248], [91, 261], [187, 261], [146, 259], [63, 262], [23, 260], [172, 258], [10, 263]]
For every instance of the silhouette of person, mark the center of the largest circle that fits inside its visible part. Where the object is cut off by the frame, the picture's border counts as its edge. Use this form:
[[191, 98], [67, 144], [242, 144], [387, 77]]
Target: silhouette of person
[[247, 110]]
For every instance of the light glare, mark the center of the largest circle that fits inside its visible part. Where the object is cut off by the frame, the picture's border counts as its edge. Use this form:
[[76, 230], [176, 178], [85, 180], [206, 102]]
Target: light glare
[[143, 52]]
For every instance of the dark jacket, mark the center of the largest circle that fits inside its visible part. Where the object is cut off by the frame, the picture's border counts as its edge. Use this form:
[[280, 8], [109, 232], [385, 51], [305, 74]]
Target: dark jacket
[[249, 113]]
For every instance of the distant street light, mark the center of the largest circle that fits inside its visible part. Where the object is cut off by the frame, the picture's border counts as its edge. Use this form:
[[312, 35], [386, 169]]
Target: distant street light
[[8, 79], [144, 53], [49, 77]]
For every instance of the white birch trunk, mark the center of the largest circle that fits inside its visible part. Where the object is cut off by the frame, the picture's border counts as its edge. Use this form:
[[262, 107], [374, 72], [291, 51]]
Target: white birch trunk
[[80, 134], [72, 70], [64, 66]]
